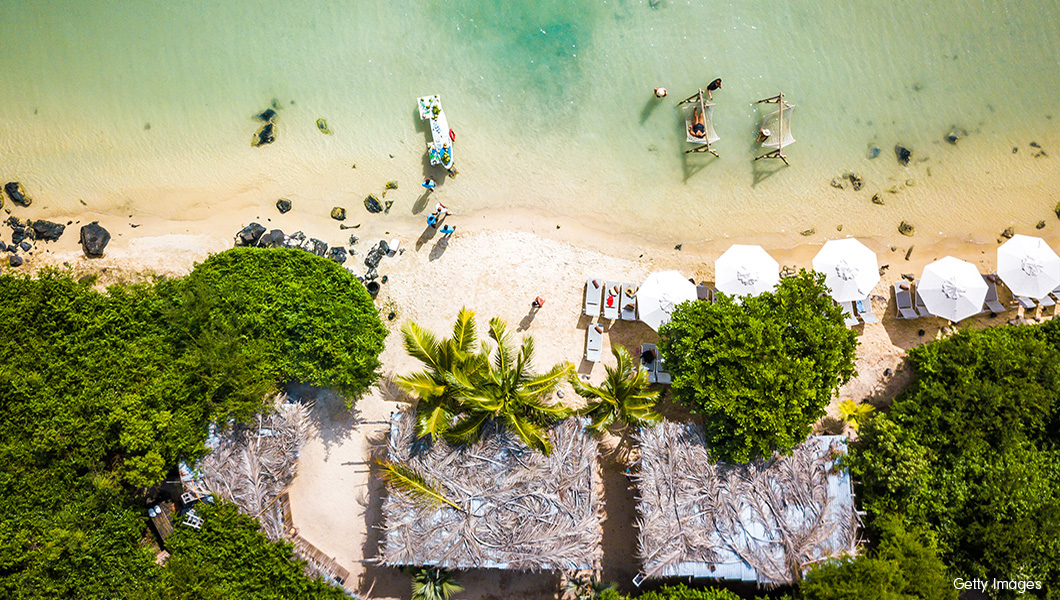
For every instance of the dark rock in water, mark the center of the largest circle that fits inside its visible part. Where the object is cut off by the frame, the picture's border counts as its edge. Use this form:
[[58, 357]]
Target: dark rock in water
[[855, 180], [265, 135], [314, 246], [808, 232], [906, 229], [874, 151], [337, 254], [15, 260], [838, 183], [338, 213], [249, 235], [1008, 233], [17, 194], [1015, 149], [26, 247], [372, 204], [876, 199], [903, 154], [283, 205], [94, 239], [47, 231], [955, 134], [268, 115], [1040, 225], [322, 125], [273, 239], [1035, 145]]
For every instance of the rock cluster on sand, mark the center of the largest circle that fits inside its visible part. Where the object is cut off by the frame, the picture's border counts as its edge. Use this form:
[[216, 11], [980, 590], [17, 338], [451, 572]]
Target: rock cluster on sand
[[249, 235], [267, 133], [46, 230], [371, 203], [14, 190], [94, 239]]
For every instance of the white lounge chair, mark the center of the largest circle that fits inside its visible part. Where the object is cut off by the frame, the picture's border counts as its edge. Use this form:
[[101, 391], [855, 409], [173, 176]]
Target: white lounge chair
[[1055, 294], [991, 303], [661, 374], [1045, 301], [1026, 302], [645, 351], [864, 310], [594, 342], [705, 292], [612, 299], [594, 290], [629, 302], [903, 300], [849, 318], [921, 308]]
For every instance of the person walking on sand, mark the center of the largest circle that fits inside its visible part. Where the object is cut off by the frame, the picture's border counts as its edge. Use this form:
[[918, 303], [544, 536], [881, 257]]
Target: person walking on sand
[[429, 184], [538, 302], [447, 230], [714, 85]]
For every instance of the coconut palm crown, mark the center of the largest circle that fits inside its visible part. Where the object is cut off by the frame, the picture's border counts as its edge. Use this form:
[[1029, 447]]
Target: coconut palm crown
[[465, 387], [623, 396]]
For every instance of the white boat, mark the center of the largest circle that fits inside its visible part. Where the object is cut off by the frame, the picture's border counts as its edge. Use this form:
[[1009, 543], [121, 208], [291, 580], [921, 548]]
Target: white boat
[[440, 150]]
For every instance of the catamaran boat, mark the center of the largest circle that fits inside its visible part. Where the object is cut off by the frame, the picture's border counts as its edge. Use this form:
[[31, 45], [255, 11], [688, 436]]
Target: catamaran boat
[[440, 150]]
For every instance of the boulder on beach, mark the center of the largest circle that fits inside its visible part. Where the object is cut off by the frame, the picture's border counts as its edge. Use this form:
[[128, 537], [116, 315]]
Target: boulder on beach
[[338, 213], [273, 239], [955, 134], [314, 246], [855, 180], [249, 235], [265, 135], [903, 154], [17, 194], [283, 205], [46, 230], [372, 204], [15, 260], [26, 246], [874, 151], [268, 115], [337, 254], [905, 228], [1008, 233], [94, 239], [1040, 225], [876, 198]]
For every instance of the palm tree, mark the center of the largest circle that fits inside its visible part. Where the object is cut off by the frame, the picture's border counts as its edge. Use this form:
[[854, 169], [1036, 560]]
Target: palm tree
[[509, 392], [432, 583], [585, 587], [624, 395], [854, 414]]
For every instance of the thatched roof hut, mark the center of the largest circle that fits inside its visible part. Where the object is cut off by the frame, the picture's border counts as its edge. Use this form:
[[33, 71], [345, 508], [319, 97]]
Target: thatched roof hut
[[763, 521], [519, 509]]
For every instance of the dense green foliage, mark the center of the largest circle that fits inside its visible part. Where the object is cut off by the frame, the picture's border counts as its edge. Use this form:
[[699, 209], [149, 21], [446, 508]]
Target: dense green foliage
[[231, 558], [430, 583], [624, 396], [105, 392], [462, 389], [760, 371], [972, 450], [905, 566], [677, 592]]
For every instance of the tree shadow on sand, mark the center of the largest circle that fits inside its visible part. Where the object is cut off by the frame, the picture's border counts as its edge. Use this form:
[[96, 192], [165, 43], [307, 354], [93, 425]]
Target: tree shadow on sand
[[329, 415]]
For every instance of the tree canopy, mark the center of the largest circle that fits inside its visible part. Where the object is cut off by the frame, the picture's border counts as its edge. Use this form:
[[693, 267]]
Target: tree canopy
[[972, 449], [104, 392], [760, 371]]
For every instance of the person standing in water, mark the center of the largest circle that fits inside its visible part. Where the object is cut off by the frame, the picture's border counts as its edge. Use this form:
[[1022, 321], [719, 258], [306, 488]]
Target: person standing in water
[[714, 85]]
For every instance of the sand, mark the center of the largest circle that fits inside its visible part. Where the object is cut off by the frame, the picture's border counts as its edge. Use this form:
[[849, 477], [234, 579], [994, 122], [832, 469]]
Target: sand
[[495, 264]]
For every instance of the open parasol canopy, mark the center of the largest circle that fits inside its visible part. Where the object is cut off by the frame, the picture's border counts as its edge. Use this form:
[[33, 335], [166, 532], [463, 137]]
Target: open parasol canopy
[[850, 269], [952, 289], [745, 270], [660, 294], [1028, 266]]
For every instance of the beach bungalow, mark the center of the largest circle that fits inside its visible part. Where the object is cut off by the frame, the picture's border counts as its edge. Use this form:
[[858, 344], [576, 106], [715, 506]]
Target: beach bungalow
[[515, 508], [761, 522]]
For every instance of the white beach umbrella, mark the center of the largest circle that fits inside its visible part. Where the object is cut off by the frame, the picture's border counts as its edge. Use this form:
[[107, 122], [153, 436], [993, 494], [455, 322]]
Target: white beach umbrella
[[745, 270], [660, 294], [850, 269], [952, 289], [1028, 266]]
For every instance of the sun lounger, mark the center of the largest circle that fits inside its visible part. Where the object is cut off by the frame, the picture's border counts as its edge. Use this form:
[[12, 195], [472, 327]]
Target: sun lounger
[[1055, 294], [991, 303], [903, 300], [1046, 301], [594, 290], [612, 299], [629, 302], [864, 310], [594, 342], [849, 318], [661, 374], [705, 292], [921, 308], [1026, 302], [649, 358]]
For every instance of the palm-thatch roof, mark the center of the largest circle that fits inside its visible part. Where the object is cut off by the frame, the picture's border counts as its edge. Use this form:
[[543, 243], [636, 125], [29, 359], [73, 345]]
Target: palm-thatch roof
[[518, 509], [251, 464], [765, 521]]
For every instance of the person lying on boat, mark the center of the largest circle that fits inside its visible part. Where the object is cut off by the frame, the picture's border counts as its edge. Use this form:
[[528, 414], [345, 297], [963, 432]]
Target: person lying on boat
[[699, 127], [763, 134]]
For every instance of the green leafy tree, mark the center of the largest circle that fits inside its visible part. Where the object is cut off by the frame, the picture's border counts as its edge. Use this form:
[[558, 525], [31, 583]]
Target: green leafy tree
[[682, 592], [462, 389], [854, 414], [971, 450], [905, 566], [760, 371], [431, 583], [624, 396]]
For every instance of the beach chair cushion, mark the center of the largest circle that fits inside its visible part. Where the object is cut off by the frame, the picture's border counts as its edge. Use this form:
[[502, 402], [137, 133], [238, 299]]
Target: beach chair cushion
[[903, 301], [629, 302], [864, 309], [612, 299], [594, 342], [594, 291], [849, 318]]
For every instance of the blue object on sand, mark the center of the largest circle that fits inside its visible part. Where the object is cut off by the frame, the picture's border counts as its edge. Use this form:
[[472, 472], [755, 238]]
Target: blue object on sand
[[432, 219]]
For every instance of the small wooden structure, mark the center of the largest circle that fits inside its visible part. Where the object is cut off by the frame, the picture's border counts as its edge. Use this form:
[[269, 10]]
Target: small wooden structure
[[690, 105], [779, 119]]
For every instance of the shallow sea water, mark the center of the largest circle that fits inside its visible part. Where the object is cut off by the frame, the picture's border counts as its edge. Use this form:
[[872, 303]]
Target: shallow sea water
[[552, 104]]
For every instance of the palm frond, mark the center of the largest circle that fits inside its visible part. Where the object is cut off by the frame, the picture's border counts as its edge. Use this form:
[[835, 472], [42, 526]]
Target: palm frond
[[421, 345], [499, 334], [547, 382], [535, 437], [432, 420], [468, 430], [420, 385], [465, 331], [406, 479]]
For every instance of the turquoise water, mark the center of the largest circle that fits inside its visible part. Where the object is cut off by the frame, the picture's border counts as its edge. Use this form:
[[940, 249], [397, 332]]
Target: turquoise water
[[552, 104]]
